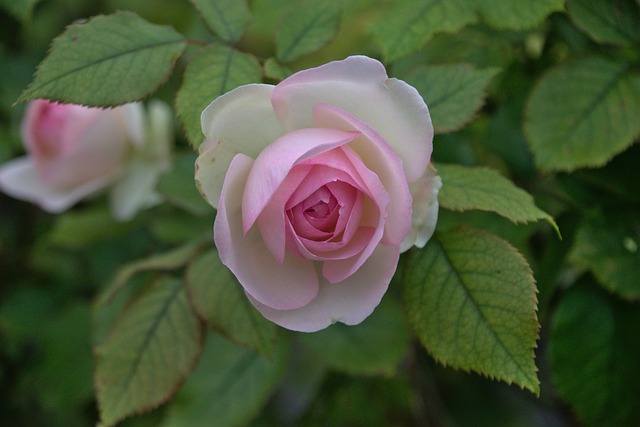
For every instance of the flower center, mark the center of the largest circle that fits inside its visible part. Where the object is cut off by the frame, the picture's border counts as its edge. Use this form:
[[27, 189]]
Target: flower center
[[318, 211]]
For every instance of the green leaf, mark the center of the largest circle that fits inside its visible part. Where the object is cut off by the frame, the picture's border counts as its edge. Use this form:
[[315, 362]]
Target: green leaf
[[471, 299], [479, 188], [454, 93], [149, 353], [170, 260], [107, 61], [608, 247], [228, 388], [607, 21], [517, 14], [20, 9], [220, 300], [410, 24], [227, 18], [583, 113], [374, 347], [275, 70], [179, 188], [307, 27], [79, 229], [213, 72], [594, 353], [170, 227]]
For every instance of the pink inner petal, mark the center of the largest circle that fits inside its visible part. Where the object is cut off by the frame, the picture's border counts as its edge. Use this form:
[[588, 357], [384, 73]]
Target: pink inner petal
[[276, 161], [319, 176], [317, 221], [271, 221], [282, 286], [351, 205], [329, 250], [379, 157]]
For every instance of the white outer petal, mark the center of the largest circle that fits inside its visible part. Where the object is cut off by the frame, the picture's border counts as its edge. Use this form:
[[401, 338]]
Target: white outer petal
[[136, 189], [425, 209], [350, 301], [240, 121], [133, 119], [359, 85], [19, 178]]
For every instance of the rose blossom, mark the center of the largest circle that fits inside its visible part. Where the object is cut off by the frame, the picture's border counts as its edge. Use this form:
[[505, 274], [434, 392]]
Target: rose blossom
[[75, 151], [320, 183]]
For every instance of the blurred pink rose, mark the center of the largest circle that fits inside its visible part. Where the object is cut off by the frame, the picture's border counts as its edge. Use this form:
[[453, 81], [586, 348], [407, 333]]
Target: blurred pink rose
[[75, 151], [320, 183]]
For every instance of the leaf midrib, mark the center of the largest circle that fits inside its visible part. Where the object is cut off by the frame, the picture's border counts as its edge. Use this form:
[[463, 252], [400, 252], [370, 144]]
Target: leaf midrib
[[160, 316], [295, 42], [122, 54], [454, 271]]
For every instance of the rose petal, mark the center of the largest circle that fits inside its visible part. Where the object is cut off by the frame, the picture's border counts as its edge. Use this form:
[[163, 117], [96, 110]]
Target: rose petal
[[322, 174], [342, 202], [360, 86], [349, 302], [271, 221], [275, 161], [132, 115], [379, 157], [425, 209], [50, 129], [101, 150], [329, 251], [240, 121], [19, 178], [338, 270], [292, 284], [335, 166], [135, 190]]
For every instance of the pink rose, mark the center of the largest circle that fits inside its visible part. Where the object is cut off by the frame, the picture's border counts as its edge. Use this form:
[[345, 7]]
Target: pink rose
[[320, 183], [75, 151]]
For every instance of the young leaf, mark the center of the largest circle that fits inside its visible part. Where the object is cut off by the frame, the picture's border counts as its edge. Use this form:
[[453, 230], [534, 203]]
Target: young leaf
[[275, 70], [607, 21], [410, 24], [609, 248], [149, 353], [170, 260], [517, 14], [373, 347], [107, 61], [219, 299], [228, 388], [583, 113], [227, 18], [215, 71], [178, 188], [471, 299], [479, 188], [594, 353], [454, 93], [307, 27]]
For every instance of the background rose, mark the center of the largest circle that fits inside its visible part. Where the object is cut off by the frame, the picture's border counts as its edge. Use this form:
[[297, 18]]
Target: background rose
[[320, 182], [74, 151]]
